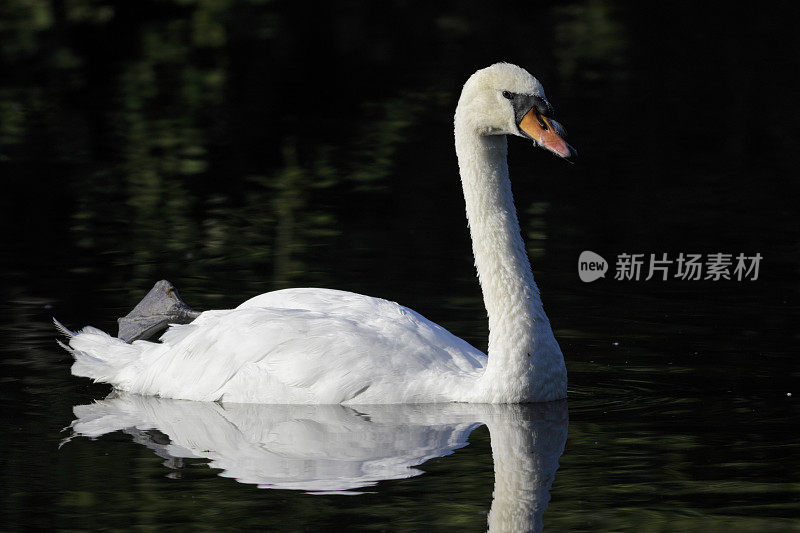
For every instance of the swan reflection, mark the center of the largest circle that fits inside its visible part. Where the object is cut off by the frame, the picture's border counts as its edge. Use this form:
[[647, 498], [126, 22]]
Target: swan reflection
[[334, 448]]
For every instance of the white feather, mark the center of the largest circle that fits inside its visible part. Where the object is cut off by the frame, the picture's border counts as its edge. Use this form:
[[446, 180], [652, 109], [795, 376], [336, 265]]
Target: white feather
[[63, 329]]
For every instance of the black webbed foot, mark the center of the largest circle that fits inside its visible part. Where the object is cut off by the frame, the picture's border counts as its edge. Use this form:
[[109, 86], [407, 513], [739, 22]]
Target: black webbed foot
[[158, 309]]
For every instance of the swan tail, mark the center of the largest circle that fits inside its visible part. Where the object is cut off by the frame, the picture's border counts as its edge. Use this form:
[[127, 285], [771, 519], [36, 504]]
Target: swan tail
[[63, 330], [100, 356]]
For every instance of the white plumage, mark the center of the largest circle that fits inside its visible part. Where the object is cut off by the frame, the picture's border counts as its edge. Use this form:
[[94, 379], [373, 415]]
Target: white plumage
[[315, 346], [295, 346]]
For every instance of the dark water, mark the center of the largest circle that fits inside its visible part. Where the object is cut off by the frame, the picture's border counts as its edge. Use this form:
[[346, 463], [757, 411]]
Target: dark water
[[240, 147]]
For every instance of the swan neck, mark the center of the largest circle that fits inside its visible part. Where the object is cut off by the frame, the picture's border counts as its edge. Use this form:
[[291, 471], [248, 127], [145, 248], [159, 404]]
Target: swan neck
[[525, 363]]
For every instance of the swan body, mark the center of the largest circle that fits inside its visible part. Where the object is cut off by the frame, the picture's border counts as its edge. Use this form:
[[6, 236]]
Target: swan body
[[322, 346], [295, 346]]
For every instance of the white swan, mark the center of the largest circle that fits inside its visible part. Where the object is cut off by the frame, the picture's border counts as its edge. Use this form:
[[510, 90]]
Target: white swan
[[321, 346]]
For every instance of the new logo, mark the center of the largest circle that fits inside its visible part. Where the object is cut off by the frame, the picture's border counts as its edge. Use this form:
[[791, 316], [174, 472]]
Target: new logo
[[591, 266]]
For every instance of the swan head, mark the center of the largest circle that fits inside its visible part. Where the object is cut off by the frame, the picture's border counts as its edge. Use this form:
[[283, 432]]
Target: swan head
[[504, 99]]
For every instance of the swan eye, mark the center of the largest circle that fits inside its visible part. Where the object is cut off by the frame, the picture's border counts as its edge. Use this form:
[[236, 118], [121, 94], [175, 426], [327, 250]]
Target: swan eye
[[507, 95], [542, 123]]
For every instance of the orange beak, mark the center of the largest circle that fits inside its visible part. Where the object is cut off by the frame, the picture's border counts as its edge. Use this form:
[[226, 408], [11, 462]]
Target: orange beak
[[539, 128]]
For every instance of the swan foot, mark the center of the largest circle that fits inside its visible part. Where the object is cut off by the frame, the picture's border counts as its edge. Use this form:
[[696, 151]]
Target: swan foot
[[158, 309]]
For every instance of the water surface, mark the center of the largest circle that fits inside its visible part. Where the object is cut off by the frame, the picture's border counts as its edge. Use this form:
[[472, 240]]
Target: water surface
[[240, 147]]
